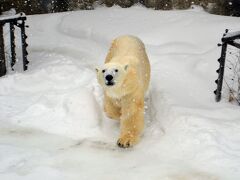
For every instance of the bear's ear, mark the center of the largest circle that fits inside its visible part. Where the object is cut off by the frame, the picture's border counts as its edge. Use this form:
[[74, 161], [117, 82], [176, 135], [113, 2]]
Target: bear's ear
[[126, 67], [96, 69]]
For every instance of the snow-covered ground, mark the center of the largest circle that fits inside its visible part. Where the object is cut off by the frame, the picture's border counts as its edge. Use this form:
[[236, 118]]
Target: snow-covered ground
[[52, 124]]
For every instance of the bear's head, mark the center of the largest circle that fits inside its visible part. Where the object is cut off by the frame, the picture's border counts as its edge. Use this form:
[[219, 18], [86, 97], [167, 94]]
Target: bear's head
[[111, 75]]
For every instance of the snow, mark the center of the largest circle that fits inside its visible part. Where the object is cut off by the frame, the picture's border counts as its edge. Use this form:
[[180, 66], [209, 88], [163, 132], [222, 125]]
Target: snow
[[52, 122], [8, 15], [10, 12], [231, 34]]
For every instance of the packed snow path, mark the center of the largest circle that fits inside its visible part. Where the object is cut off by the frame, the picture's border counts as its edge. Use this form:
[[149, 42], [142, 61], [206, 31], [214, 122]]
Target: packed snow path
[[52, 123]]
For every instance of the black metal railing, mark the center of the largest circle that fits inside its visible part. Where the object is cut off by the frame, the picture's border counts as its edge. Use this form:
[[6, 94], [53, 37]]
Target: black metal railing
[[17, 20], [227, 39]]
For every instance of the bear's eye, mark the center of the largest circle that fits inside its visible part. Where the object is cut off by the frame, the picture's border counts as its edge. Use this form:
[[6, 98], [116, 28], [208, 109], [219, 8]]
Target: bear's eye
[[116, 70], [103, 71]]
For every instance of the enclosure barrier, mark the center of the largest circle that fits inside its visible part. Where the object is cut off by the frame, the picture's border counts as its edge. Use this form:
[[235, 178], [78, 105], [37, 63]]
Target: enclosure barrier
[[17, 20], [232, 39]]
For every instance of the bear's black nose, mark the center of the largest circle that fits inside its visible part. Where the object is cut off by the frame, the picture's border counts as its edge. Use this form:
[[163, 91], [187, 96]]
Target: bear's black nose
[[109, 77]]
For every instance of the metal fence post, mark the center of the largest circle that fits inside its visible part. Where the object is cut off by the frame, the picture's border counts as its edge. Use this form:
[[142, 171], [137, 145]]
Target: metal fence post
[[24, 46], [220, 72], [3, 68], [12, 43]]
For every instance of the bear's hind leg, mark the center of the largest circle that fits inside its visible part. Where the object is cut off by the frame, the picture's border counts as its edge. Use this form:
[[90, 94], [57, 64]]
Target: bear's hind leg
[[112, 110]]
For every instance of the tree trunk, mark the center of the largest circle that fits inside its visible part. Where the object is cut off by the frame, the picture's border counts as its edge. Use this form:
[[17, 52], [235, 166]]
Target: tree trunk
[[3, 68]]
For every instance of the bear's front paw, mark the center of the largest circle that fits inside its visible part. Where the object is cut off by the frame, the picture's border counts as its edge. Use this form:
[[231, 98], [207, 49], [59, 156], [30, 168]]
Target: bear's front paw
[[127, 141], [113, 116]]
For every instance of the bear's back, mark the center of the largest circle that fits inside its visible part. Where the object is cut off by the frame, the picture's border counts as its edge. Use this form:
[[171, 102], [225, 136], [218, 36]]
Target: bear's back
[[131, 46], [128, 46]]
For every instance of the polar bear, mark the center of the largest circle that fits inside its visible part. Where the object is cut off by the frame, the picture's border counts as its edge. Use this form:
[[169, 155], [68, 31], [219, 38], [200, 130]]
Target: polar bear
[[125, 78]]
